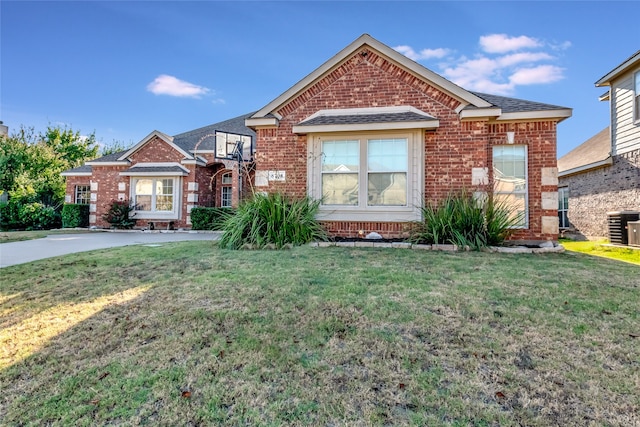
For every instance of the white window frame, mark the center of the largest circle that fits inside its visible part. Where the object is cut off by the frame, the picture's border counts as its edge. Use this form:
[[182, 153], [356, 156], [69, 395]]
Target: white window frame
[[226, 187], [524, 192], [86, 192], [415, 181], [561, 206], [153, 214]]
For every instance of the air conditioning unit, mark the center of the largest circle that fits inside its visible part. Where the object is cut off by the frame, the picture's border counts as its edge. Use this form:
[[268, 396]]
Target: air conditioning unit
[[618, 234], [633, 227]]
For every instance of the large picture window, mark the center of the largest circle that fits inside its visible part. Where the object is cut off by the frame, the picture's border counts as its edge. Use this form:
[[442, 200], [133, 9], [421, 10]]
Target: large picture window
[[155, 197], [373, 176], [510, 180]]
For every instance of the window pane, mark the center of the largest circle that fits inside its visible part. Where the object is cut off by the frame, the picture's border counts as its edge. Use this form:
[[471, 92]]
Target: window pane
[[164, 203], [164, 187], [387, 189], [517, 205], [83, 194], [340, 156], [387, 155], [143, 203], [144, 186], [226, 197], [226, 178], [340, 188]]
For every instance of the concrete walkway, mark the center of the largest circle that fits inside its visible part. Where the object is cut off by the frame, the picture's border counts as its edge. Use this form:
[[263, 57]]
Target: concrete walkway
[[63, 244]]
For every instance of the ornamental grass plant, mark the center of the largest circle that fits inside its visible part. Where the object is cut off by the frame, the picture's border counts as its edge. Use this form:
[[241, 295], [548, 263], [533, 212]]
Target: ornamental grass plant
[[465, 220], [272, 220]]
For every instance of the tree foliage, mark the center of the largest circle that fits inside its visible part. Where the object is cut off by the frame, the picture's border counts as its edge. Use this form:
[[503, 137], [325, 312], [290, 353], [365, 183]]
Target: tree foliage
[[31, 163]]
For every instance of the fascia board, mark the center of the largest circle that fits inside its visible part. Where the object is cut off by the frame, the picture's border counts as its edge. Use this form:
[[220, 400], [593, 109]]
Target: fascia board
[[261, 121], [365, 39], [480, 112], [153, 174], [159, 164], [536, 115], [77, 174], [429, 124], [622, 68], [606, 162]]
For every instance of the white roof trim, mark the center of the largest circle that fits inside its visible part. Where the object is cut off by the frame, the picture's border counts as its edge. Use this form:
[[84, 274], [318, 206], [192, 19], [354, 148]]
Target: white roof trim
[[440, 82], [606, 162], [626, 65], [480, 112], [261, 121], [537, 115], [163, 136], [76, 173], [159, 164], [136, 173]]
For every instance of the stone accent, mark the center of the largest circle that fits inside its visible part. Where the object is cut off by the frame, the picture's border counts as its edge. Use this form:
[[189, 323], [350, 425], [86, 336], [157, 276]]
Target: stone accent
[[192, 197], [192, 186], [122, 186], [94, 186], [93, 207], [550, 200], [549, 176], [92, 219], [595, 192], [550, 224], [479, 176]]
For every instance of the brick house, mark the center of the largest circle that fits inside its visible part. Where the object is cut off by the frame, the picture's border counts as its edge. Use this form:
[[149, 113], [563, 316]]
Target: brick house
[[375, 135], [603, 173], [166, 176]]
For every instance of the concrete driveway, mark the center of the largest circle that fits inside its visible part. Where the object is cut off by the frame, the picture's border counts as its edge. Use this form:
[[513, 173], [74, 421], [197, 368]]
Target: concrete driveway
[[63, 244]]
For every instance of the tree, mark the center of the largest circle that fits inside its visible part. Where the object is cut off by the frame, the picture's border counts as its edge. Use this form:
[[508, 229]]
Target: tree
[[30, 165], [115, 147]]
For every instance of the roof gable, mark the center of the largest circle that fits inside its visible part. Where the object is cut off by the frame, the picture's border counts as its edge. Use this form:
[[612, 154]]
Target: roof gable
[[366, 42], [155, 134], [594, 152], [633, 60]]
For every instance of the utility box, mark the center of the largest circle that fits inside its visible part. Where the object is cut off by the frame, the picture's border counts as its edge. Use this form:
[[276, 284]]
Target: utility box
[[633, 227], [618, 221]]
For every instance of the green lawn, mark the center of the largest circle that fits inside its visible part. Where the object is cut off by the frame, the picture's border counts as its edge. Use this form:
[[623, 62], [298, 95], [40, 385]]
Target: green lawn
[[17, 236], [603, 249], [188, 334]]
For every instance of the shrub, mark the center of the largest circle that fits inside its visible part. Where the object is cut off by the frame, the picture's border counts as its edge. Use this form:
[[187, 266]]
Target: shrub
[[75, 215], [463, 220], [9, 215], [209, 218], [119, 214], [25, 213], [272, 220]]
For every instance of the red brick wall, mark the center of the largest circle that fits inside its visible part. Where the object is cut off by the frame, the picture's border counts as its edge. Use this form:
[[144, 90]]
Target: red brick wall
[[451, 151]]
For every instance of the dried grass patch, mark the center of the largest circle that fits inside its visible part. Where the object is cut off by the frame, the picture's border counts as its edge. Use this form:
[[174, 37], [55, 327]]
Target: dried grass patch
[[325, 336]]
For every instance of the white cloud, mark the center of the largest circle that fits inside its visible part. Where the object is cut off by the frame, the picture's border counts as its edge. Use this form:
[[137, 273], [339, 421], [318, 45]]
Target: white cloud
[[503, 63], [172, 86], [502, 43], [423, 54], [537, 75]]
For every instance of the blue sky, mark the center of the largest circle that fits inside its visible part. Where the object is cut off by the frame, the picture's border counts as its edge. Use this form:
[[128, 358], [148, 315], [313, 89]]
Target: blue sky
[[125, 68]]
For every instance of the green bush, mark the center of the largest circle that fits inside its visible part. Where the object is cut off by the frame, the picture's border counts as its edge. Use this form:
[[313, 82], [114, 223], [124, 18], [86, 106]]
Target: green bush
[[462, 220], [119, 214], [24, 213], [74, 215], [209, 218], [272, 220]]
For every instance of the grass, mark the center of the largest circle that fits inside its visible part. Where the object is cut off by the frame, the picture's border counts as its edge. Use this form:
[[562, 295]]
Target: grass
[[18, 236], [602, 249], [189, 334]]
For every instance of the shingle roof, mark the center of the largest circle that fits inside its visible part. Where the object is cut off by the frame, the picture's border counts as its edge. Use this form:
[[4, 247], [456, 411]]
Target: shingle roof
[[113, 157], [407, 116], [593, 150], [79, 170], [188, 140], [515, 105], [155, 169]]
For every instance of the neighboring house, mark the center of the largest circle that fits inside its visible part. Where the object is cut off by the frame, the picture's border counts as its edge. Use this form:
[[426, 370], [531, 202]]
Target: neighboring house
[[371, 132], [377, 135], [166, 176], [603, 174]]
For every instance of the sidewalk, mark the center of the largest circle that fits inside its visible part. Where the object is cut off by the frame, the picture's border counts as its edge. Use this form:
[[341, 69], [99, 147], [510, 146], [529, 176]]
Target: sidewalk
[[62, 244]]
